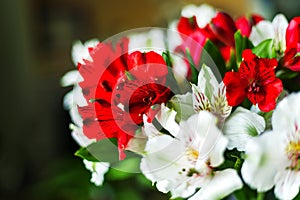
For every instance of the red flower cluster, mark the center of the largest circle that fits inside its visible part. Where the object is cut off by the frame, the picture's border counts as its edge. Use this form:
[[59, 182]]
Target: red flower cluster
[[220, 31], [291, 57], [120, 88], [255, 80]]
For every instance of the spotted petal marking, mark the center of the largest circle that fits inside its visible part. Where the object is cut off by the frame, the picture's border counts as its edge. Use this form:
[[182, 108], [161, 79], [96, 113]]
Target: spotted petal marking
[[219, 104], [200, 101]]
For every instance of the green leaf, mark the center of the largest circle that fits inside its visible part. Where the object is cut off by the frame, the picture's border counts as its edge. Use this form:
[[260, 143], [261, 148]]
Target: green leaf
[[211, 56], [265, 49], [124, 169], [85, 154], [192, 66], [104, 150], [286, 74], [241, 43]]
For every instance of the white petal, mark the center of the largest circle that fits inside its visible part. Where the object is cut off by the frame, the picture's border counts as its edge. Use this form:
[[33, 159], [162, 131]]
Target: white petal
[[166, 118], [265, 155], [280, 25], [153, 39], [80, 51], [149, 129], [207, 81], [287, 184], [70, 78], [203, 13], [137, 144], [241, 126], [98, 170], [286, 117], [183, 105], [221, 185], [262, 31], [216, 154], [79, 137]]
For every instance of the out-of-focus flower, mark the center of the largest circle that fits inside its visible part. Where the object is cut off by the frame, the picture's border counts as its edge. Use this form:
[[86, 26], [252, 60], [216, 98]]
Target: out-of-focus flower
[[197, 26], [273, 158], [98, 170], [245, 23], [187, 160], [275, 30], [255, 80], [291, 57]]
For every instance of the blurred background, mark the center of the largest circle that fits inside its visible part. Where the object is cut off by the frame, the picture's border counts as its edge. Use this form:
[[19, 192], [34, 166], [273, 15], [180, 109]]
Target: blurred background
[[36, 148]]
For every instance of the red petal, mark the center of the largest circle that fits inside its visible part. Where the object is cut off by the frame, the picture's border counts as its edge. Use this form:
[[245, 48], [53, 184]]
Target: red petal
[[248, 55], [293, 33], [244, 26], [187, 26], [224, 28], [272, 92], [235, 88]]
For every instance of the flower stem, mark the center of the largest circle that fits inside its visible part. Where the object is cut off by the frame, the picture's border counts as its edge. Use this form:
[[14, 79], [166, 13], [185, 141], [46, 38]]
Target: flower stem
[[260, 195]]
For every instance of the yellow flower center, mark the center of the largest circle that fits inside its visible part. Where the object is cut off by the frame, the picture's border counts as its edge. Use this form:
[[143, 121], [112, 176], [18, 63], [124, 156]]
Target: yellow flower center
[[192, 154], [293, 152]]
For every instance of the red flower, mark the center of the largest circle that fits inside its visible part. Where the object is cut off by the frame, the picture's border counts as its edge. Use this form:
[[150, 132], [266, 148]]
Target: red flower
[[255, 80], [245, 23], [120, 89], [220, 31], [291, 57]]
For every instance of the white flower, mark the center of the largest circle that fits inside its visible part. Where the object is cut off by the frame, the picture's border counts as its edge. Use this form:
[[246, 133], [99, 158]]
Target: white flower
[[204, 13], [149, 40], [241, 126], [271, 30], [210, 95], [80, 52], [273, 158], [98, 170], [185, 161], [75, 98]]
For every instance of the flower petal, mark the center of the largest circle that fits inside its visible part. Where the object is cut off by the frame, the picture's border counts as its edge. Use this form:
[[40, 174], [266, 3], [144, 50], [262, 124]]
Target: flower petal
[[264, 157], [242, 126], [287, 184], [235, 88], [222, 184]]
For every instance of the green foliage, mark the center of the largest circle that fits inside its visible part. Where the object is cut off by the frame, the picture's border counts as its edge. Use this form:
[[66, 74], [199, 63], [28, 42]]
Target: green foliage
[[193, 67], [241, 43], [265, 49], [211, 56], [104, 150]]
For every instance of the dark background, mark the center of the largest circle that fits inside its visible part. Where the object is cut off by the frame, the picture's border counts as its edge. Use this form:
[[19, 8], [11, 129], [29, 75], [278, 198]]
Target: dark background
[[36, 149]]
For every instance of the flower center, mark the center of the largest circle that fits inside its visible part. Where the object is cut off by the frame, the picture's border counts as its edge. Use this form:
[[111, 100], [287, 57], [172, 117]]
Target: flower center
[[254, 87], [192, 155], [293, 152]]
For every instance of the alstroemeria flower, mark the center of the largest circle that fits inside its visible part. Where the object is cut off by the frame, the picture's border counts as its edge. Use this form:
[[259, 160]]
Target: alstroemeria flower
[[271, 30], [255, 80], [245, 23], [218, 27], [120, 88], [182, 164], [291, 57], [210, 95], [273, 158]]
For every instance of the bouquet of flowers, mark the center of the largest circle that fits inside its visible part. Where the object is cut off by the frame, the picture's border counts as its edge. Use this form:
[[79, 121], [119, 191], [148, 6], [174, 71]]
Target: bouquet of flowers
[[207, 109]]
